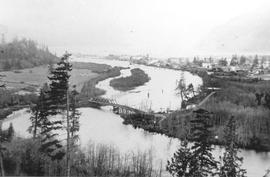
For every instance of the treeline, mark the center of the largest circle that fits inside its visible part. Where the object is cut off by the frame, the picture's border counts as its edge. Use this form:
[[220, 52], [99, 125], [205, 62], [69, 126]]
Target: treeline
[[24, 158], [23, 53], [138, 77]]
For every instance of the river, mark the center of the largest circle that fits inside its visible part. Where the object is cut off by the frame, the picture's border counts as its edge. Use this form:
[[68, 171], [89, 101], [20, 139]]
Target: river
[[103, 126]]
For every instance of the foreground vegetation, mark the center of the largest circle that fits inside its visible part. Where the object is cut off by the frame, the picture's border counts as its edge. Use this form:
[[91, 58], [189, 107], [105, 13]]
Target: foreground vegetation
[[138, 77], [198, 160], [23, 157]]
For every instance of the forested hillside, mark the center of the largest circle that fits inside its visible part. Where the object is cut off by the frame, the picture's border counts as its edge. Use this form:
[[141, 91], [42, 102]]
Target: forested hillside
[[23, 53]]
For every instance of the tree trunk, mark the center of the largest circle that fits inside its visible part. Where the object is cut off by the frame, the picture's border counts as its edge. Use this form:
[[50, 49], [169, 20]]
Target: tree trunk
[[68, 137], [2, 164], [35, 126]]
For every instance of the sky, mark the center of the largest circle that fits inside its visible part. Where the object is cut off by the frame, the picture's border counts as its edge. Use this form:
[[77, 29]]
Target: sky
[[161, 28]]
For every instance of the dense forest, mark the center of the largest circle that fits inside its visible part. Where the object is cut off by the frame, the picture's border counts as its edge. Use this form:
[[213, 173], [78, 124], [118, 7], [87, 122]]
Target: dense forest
[[24, 53]]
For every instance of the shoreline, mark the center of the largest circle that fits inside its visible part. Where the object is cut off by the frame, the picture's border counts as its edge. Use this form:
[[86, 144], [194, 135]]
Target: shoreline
[[150, 127], [208, 84]]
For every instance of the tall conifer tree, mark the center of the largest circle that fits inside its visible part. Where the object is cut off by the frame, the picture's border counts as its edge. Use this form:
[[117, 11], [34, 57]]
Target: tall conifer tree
[[203, 163], [231, 163], [75, 115], [59, 83], [43, 127], [196, 161], [180, 163]]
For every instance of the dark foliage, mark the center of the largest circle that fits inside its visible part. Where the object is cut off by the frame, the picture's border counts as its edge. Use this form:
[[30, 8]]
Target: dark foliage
[[231, 163], [75, 115], [138, 77], [24, 53], [180, 163], [59, 83], [202, 162], [198, 159], [52, 101]]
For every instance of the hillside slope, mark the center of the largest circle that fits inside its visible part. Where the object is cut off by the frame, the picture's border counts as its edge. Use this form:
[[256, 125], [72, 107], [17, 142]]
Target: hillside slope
[[23, 53]]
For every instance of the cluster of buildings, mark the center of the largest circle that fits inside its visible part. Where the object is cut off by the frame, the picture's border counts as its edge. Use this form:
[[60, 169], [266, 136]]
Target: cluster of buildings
[[249, 64], [255, 64]]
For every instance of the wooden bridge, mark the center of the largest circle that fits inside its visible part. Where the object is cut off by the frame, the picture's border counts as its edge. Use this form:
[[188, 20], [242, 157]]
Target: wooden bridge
[[118, 108]]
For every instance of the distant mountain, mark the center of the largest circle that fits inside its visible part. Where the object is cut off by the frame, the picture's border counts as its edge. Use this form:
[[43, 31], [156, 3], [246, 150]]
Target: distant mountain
[[245, 34]]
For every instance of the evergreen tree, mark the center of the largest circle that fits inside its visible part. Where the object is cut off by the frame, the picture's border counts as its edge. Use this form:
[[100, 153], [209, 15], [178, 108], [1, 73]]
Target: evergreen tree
[[202, 161], [10, 132], [59, 80], [231, 166], [196, 161], [35, 115], [180, 163], [223, 62], [255, 61], [243, 60], [2, 149], [59, 96], [75, 115], [234, 60], [181, 87], [42, 124]]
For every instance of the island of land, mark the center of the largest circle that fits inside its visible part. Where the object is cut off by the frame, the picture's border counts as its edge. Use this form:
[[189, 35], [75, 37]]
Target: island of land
[[137, 78]]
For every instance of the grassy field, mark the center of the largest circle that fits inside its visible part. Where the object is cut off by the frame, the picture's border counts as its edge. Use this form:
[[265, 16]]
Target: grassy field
[[37, 76], [84, 75]]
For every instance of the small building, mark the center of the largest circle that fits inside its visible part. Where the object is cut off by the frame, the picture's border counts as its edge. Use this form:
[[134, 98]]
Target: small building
[[266, 64], [234, 68], [207, 65]]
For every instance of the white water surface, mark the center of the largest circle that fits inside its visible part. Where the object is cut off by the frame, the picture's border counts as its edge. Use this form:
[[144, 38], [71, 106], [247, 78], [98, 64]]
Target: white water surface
[[103, 126]]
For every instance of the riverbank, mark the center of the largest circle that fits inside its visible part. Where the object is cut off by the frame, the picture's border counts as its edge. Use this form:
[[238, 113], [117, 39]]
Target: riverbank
[[90, 127], [22, 85], [89, 88], [234, 97], [138, 77], [238, 98]]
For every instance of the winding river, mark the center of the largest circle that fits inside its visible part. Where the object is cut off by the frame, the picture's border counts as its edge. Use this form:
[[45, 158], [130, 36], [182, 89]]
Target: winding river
[[102, 126]]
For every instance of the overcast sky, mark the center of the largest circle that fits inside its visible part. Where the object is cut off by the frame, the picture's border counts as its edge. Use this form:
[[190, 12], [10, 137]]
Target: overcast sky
[[158, 27]]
